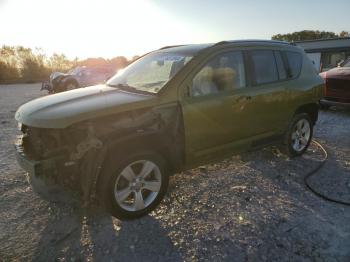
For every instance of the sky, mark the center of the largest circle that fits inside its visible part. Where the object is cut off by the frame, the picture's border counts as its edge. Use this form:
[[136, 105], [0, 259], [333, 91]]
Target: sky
[[109, 28]]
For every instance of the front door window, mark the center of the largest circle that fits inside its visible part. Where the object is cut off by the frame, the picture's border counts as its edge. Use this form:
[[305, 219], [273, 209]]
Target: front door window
[[225, 72]]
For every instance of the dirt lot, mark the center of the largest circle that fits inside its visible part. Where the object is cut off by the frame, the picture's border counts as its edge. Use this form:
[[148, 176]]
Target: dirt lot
[[253, 207]]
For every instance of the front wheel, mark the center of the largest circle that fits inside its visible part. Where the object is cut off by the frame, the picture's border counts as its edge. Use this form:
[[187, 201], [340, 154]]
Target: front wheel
[[133, 187], [298, 136]]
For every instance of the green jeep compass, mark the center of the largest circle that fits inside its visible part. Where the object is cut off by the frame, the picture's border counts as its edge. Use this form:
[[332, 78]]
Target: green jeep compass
[[171, 110]]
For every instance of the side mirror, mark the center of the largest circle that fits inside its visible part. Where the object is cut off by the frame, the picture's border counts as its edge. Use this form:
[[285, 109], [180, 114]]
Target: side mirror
[[340, 63]]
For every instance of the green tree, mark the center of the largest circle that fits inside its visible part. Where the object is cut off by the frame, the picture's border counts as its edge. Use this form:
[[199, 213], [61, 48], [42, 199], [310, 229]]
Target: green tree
[[344, 34], [308, 35], [8, 72], [59, 62], [21, 64]]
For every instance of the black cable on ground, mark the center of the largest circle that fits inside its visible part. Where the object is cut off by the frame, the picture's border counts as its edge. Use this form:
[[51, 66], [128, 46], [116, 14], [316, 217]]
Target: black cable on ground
[[306, 177], [324, 160]]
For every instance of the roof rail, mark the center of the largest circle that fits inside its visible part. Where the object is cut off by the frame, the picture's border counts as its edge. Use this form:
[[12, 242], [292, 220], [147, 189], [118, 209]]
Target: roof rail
[[169, 46], [221, 43], [254, 41]]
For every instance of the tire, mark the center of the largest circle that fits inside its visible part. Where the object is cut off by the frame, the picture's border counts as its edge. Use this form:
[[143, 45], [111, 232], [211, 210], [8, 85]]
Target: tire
[[138, 195], [298, 136], [324, 106]]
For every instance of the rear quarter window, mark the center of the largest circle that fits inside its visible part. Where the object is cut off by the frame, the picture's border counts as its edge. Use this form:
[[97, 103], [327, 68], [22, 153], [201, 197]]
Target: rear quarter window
[[294, 61]]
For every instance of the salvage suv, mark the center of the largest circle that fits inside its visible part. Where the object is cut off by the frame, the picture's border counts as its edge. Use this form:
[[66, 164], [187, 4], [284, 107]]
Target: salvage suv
[[171, 110]]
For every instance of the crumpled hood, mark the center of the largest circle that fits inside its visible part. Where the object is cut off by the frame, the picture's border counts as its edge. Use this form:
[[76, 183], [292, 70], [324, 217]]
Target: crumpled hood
[[64, 109]]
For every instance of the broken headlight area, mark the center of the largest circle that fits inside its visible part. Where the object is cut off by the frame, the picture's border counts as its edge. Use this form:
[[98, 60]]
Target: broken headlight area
[[63, 149]]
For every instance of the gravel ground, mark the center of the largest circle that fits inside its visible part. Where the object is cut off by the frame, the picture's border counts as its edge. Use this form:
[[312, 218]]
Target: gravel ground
[[253, 207]]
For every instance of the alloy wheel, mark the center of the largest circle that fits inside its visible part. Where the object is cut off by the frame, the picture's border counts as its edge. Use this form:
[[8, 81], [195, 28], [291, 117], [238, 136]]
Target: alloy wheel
[[301, 135], [138, 185]]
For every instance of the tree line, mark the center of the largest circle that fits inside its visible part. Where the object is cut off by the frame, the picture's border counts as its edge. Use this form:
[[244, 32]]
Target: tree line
[[308, 35], [25, 65], [19, 64]]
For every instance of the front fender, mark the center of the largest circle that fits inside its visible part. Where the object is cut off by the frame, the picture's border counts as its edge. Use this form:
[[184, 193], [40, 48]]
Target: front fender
[[156, 129]]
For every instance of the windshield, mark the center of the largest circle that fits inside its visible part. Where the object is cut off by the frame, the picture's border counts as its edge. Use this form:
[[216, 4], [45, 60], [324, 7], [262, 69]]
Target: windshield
[[347, 63], [74, 71], [151, 72]]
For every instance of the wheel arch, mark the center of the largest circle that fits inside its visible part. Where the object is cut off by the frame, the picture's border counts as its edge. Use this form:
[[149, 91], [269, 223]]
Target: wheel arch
[[153, 142], [158, 130], [311, 109]]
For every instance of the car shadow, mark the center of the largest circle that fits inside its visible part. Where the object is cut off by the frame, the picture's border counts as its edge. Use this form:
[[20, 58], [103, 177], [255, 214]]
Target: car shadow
[[93, 235], [252, 207]]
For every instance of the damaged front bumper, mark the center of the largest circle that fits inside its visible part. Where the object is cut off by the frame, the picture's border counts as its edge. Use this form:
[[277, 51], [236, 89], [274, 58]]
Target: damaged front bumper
[[41, 173], [33, 167]]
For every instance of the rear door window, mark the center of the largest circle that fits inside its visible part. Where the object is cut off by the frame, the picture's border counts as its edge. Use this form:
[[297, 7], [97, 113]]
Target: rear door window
[[264, 66], [294, 63]]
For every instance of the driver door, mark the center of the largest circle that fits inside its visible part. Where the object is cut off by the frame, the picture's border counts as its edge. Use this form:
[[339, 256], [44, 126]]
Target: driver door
[[214, 112]]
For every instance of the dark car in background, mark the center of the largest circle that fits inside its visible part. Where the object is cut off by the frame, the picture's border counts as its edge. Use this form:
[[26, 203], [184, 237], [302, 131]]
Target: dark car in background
[[337, 85], [78, 77]]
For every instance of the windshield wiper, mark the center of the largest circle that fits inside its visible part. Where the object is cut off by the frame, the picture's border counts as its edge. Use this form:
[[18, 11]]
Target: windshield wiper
[[128, 88], [148, 85], [121, 86]]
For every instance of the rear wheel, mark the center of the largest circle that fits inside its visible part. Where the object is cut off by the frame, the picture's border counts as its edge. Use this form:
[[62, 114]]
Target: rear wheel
[[134, 186], [298, 136], [324, 106], [70, 86]]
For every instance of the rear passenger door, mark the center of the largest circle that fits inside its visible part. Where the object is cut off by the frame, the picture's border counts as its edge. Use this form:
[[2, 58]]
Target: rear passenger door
[[268, 93]]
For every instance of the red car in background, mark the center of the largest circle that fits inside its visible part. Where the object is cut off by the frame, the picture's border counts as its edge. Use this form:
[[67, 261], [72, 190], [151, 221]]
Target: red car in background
[[337, 85]]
